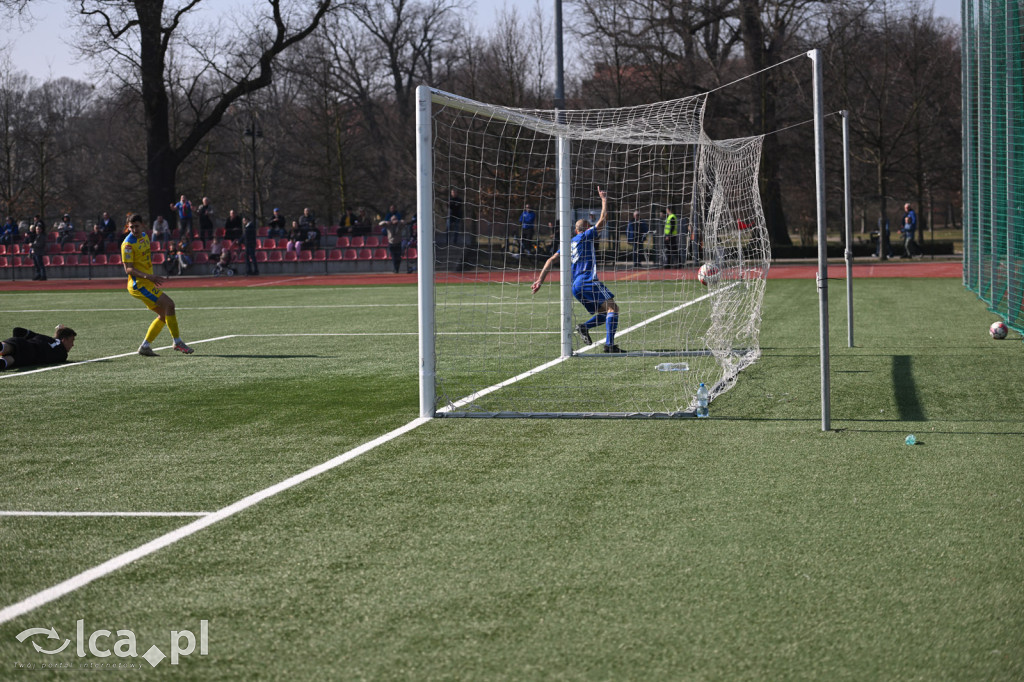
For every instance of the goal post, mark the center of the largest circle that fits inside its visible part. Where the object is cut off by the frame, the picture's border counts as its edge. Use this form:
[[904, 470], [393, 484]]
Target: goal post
[[499, 192]]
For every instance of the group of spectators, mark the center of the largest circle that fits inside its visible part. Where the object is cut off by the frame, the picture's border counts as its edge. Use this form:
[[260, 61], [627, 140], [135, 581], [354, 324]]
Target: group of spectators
[[196, 221]]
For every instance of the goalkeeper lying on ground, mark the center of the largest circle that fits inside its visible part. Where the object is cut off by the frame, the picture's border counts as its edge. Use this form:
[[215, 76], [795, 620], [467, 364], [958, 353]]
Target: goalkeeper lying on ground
[[586, 287], [26, 347]]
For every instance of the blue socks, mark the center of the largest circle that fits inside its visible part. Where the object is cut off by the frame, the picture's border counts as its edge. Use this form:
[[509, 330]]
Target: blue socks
[[611, 325], [595, 321]]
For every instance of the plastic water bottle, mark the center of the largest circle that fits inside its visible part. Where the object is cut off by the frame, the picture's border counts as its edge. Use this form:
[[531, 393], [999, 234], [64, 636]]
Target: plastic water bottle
[[910, 440], [703, 398], [673, 367]]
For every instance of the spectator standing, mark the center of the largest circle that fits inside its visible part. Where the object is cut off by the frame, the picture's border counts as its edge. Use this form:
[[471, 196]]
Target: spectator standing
[[249, 235], [37, 249], [205, 214], [908, 229], [184, 209], [455, 209], [9, 232], [636, 234], [528, 223], [395, 231], [161, 230], [108, 227], [278, 229], [233, 226], [93, 244], [65, 230], [671, 238]]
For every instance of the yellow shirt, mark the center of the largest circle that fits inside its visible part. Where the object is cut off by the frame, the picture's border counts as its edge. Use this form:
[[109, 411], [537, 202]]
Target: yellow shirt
[[135, 252], [670, 224]]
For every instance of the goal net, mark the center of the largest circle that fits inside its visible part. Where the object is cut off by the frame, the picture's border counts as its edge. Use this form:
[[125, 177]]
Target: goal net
[[677, 201]]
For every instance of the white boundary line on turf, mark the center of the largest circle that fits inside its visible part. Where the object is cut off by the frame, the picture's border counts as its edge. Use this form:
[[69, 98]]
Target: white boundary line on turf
[[107, 567], [99, 513], [49, 368], [540, 368]]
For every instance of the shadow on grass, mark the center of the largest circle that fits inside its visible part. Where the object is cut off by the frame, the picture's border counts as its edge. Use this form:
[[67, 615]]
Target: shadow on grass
[[908, 404]]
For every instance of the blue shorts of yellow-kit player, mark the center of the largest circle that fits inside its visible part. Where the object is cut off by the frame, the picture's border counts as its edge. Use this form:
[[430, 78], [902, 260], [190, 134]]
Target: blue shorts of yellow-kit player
[[145, 291]]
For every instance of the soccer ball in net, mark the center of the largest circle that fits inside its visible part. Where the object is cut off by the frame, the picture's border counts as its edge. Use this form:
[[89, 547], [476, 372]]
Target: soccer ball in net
[[708, 273], [998, 330]]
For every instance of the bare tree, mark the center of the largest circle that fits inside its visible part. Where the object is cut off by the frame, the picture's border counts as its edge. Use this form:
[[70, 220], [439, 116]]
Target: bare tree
[[137, 39]]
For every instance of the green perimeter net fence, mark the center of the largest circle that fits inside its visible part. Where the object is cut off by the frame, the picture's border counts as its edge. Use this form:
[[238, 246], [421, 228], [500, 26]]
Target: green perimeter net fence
[[993, 127]]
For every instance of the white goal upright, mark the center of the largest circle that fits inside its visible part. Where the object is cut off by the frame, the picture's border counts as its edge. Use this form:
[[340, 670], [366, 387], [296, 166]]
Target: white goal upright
[[490, 347]]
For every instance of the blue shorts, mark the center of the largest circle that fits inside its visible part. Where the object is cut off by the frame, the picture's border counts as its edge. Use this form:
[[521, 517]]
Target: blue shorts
[[591, 293]]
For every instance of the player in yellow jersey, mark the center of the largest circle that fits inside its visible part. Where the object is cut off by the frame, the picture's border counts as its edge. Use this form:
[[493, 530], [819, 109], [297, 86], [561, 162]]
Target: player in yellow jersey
[[145, 286]]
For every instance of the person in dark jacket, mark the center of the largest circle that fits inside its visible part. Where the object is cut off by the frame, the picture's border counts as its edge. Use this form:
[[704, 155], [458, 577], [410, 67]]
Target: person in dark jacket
[[249, 237], [26, 347], [37, 249]]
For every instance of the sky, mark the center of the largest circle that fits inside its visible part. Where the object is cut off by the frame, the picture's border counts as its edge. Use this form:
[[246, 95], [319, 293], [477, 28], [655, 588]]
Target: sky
[[43, 50]]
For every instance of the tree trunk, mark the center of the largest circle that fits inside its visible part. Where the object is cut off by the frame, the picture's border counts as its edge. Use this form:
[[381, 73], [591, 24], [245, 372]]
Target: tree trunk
[[161, 160]]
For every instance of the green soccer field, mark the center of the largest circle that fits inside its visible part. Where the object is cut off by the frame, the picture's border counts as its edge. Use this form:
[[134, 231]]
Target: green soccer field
[[747, 546]]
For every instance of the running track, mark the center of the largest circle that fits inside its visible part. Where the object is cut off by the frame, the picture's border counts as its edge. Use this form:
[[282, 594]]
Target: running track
[[780, 271]]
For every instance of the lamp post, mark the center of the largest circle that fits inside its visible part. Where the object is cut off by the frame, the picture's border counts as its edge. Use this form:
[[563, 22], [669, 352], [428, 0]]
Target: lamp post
[[253, 132]]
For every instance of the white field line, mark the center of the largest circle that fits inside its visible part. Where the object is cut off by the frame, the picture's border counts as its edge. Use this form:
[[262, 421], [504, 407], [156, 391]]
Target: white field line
[[107, 567], [84, 578], [99, 513], [50, 368]]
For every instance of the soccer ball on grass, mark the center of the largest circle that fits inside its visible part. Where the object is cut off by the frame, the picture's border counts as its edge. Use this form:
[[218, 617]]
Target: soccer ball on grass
[[998, 330], [708, 273]]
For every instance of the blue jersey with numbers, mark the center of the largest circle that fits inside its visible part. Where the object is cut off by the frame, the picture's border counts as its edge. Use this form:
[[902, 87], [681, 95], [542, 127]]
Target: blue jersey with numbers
[[584, 260]]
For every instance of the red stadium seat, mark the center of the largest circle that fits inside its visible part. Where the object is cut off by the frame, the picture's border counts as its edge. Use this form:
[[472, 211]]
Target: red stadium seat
[[365, 254], [274, 256], [100, 259], [381, 254], [357, 242], [3, 262], [372, 241], [219, 232], [156, 246], [305, 255], [158, 258], [261, 256], [263, 231], [290, 257], [349, 254], [52, 236], [201, 258], [68, 248], [319, 255], [114, 260], [52, 248], [268, 244], [198, 245], [411, 254], [55, 261], [343, 242], [334, 254], [73, 259]]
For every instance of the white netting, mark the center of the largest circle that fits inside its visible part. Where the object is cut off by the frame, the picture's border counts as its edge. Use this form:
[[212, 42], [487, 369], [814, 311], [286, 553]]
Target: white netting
[[491, 330]]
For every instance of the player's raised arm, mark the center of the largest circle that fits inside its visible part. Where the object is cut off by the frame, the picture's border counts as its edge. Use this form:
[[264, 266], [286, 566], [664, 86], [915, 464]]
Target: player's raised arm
[[544, 271], [604, 209]]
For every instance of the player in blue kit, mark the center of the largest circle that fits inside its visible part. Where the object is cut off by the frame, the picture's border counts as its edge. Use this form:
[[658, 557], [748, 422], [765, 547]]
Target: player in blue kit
[[586, 287]]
